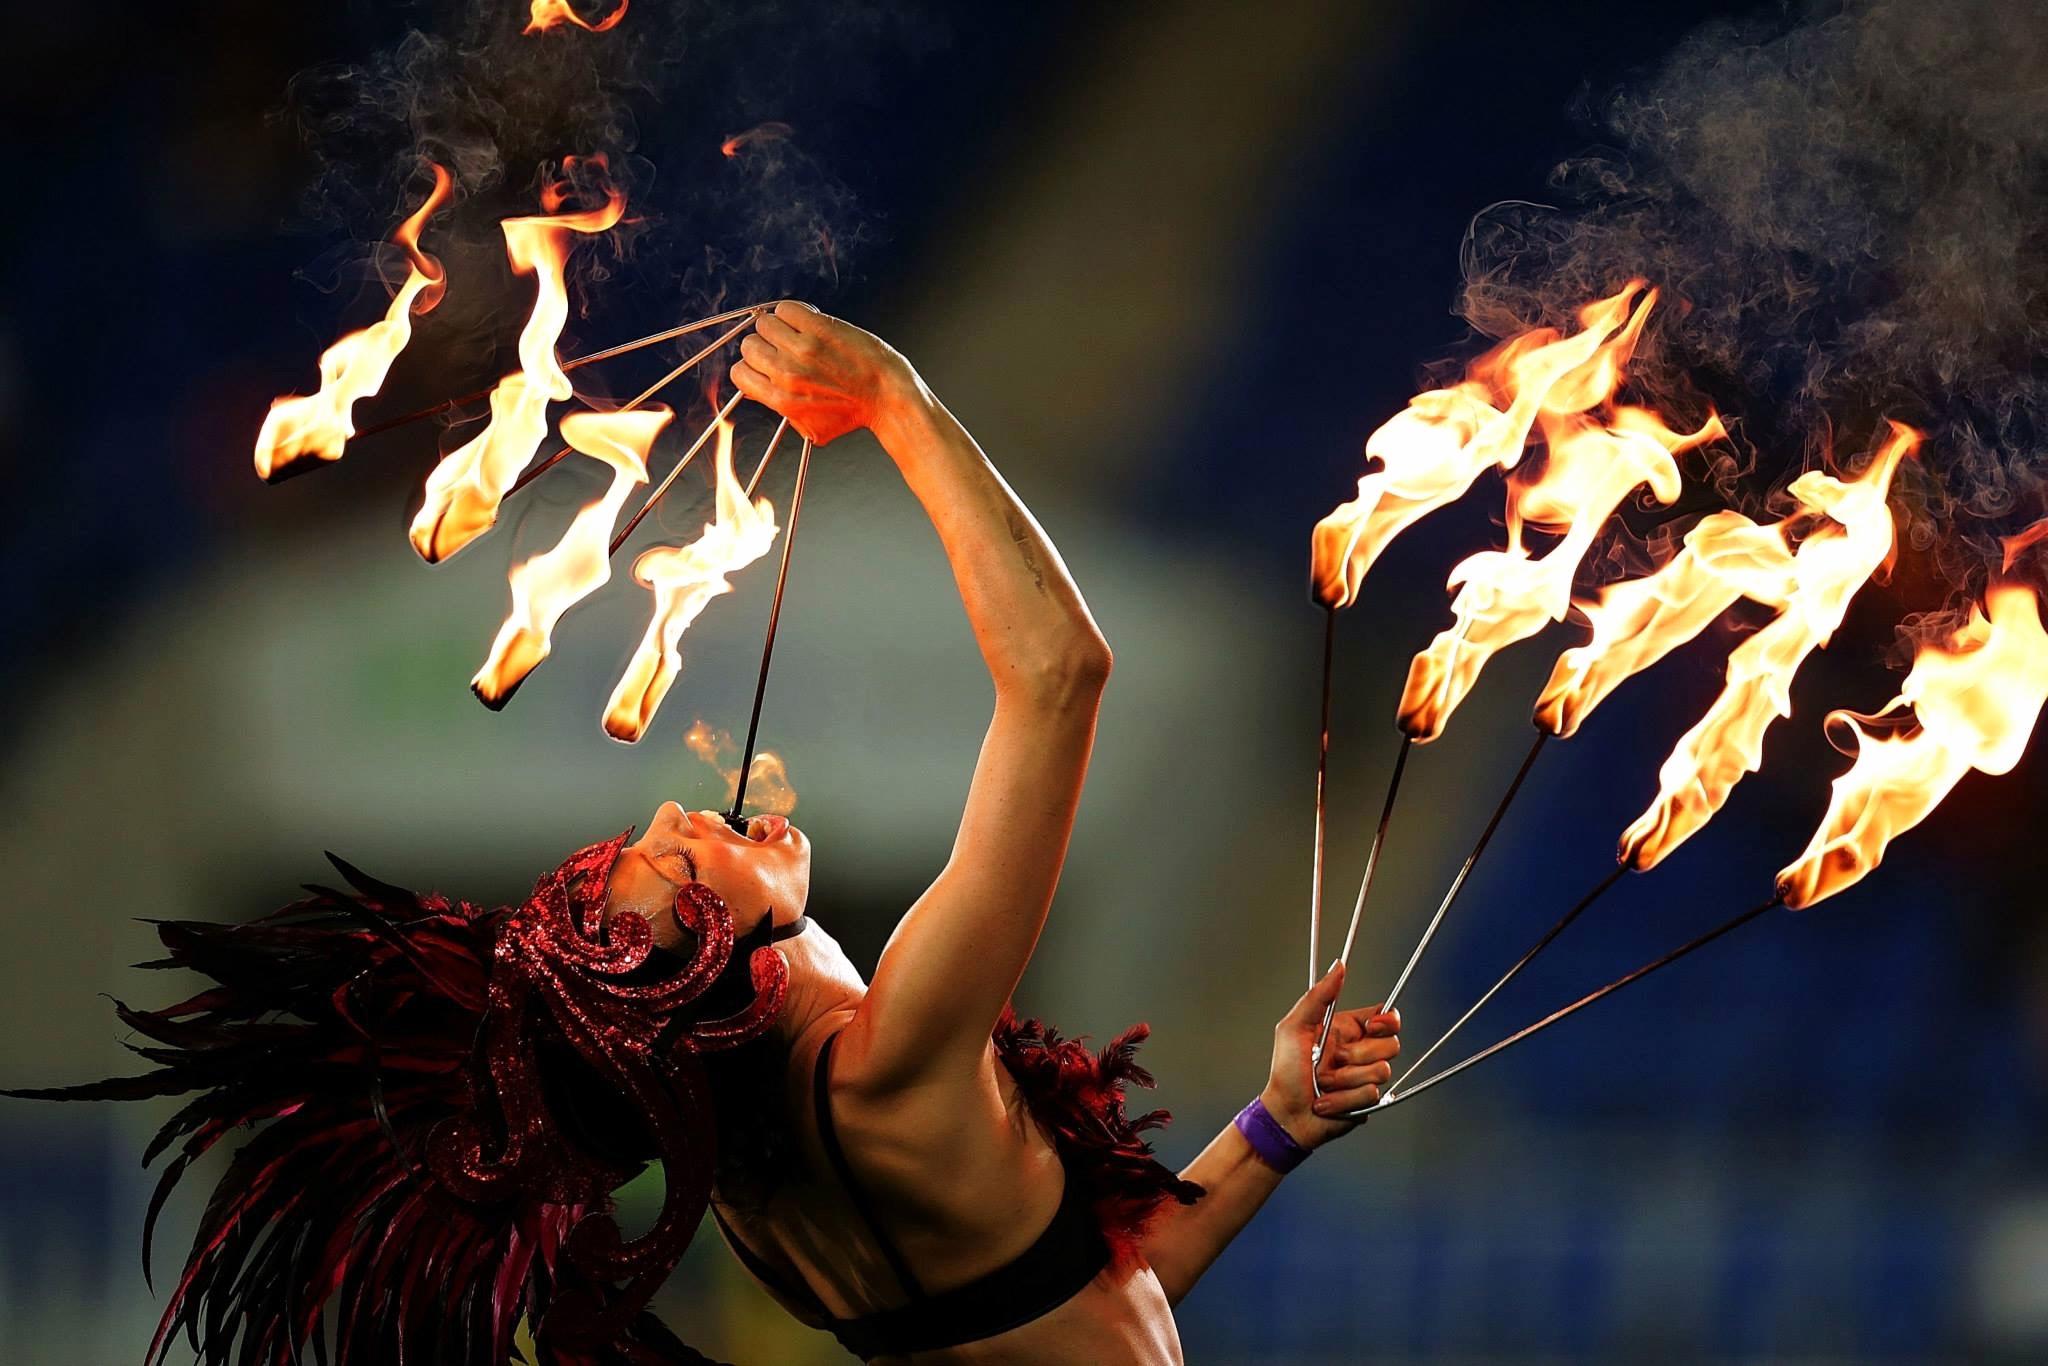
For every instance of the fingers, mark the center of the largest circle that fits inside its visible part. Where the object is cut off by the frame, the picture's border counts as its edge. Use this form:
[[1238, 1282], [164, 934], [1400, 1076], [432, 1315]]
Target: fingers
[[796, 315], [777, 332], [1335, 1103], [759, 352], [1351, 1078], [759, 386], [1308, 1011], [1364, 1023], [1362, 1051]]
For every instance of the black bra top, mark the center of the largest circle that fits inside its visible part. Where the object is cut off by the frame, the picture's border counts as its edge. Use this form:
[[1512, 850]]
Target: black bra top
[[1065, 1257]]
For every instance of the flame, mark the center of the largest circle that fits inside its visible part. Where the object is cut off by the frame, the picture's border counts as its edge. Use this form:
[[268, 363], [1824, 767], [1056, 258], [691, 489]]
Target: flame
[[549, 584], [316, 427], [771, 131], [1638, 622], [1827, 570], [768, 786], [1975, 700], [1593, 463], [1428, 455], [2016, 545], [547, 14], [465, 489], [684, 580]]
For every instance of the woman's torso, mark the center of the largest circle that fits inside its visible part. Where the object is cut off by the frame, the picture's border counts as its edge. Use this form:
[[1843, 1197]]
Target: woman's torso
[[962, 1189]]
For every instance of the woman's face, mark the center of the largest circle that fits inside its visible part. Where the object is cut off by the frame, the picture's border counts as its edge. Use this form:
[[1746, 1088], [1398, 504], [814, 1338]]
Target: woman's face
[[765, 872]]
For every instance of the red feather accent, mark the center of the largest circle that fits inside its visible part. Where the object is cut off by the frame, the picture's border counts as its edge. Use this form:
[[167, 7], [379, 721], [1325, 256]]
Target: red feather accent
[[1077, 1096]]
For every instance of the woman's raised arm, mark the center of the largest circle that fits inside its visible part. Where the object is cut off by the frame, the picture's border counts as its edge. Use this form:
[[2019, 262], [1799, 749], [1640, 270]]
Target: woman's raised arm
[[955, 958]]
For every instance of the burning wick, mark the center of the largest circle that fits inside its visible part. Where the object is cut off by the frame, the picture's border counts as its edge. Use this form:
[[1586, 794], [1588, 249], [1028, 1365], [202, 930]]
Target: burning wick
[[547, 14], [549, 584], [762, 132], [683, 581], [302, 432], [465, 489]]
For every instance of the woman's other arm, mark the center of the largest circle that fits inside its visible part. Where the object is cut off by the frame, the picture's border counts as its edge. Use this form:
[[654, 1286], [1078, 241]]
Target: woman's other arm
[[1235, 1180]]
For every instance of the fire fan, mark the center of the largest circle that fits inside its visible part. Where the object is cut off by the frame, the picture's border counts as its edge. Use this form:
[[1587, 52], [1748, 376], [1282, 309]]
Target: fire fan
[[1758, 376]]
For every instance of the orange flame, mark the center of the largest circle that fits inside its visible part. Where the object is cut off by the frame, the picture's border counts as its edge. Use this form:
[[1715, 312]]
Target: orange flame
[[547, 14], [317, 427], [684, 580], [1975, 700], [1592, 465], [768, 786], [771, 131], [549, 584], [1829, 567], [1428, 455], [465, 489], [2016, 545], [1638, 622]]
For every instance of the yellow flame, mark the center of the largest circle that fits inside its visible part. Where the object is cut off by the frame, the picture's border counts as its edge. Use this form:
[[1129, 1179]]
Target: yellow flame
[[1637, 622], [1975, 699], [543, 15], [1593, 463], [317, 426], [1828, 569], [549, 584], [684, 580], [768, 785], [1428, 455], [464, 491]]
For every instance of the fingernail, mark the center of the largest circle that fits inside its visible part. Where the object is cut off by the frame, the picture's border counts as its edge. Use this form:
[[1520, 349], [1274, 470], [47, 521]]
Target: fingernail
[[1376, 1030]]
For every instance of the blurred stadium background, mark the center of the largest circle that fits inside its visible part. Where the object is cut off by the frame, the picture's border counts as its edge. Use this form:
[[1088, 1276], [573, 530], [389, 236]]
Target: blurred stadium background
[[1170, 262]]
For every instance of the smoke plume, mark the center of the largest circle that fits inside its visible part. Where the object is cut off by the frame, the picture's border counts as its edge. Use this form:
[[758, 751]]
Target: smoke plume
[[504, 109], [1847, 206]]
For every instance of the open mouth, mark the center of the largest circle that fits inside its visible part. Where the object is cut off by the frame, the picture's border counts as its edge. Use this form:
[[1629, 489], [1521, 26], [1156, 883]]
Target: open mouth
[[766, 828]]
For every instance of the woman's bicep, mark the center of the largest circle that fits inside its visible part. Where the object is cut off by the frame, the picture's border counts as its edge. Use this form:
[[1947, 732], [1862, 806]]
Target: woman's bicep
[[956, 956]]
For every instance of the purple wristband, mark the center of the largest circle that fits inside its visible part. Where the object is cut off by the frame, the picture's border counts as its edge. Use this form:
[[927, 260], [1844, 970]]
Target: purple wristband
[[1269, 1139]]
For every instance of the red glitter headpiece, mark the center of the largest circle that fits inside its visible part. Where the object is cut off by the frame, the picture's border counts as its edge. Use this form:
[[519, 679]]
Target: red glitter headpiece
[[408, 1168]]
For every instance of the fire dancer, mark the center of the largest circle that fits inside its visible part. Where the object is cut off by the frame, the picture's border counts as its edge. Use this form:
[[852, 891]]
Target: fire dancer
[[449, 1095]]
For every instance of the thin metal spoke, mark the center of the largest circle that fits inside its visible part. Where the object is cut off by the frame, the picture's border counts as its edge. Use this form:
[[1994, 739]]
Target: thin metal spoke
[[1547, 1021], [796, 504], [1465, 872], [1315, 881], [651, 339], [1599, 890], [1372, 863], [669, 479], [649, 392]]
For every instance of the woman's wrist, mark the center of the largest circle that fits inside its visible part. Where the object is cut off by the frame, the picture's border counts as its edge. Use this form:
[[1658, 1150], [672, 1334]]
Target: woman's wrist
[[904, 409], [1274, 1142]]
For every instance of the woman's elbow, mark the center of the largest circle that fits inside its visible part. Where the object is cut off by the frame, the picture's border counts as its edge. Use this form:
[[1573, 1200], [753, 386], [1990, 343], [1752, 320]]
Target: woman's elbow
[[1072, 674]]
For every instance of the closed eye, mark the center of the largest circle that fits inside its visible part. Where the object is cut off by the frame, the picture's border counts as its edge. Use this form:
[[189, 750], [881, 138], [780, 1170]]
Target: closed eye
[[682, 852]]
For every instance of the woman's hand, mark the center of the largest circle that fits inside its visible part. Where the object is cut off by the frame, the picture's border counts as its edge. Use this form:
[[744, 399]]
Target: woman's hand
[[826, 376], [1357, 1063]]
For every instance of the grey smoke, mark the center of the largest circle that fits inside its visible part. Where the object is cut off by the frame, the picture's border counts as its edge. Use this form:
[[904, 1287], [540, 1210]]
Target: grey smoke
[[1847, 207], [502, 109]]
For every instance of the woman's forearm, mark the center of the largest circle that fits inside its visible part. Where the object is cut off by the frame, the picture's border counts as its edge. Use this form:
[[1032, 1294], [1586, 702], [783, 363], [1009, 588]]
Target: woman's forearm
[[1188, 1238], [1029, 620]]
